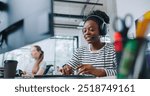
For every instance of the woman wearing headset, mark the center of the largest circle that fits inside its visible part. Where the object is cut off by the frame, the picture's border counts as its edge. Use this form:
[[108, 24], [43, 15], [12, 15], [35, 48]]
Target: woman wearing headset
[[99, 58]]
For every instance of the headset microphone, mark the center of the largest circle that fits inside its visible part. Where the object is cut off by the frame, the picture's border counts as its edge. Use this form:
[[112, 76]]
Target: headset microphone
[[95, 38]]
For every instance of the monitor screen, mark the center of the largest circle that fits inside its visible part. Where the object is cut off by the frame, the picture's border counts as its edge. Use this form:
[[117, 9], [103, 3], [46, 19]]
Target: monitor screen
[[29, 21]]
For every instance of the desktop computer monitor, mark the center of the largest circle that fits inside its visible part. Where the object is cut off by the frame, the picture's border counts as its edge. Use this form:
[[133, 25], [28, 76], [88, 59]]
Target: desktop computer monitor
[[29, 21]]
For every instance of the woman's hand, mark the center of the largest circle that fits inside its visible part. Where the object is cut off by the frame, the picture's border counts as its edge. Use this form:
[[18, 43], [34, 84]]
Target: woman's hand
[[89, 69], [85, 69], [24, 72], [66, 70], [26, 75], [40, 58]]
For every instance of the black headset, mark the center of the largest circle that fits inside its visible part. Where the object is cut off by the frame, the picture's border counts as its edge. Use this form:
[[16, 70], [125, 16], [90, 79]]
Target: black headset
[[103, 26]]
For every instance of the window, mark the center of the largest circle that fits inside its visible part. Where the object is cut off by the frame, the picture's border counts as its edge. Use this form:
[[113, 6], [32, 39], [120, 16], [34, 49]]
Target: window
[[64, 49], [1, 60], [57, 51]]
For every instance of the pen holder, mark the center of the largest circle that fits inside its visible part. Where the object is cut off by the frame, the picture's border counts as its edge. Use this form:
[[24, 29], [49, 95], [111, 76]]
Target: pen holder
[[132, 60]]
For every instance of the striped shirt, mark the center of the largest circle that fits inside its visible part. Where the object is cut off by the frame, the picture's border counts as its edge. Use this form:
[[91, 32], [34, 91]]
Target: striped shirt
[[104, 58]]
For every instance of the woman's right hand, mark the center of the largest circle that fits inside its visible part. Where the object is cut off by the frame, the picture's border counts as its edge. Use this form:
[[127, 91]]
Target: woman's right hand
[[24, 72], [66, 70], [26, 75]]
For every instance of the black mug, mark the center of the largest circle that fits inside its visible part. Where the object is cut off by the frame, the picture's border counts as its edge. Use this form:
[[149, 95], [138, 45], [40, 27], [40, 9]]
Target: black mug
[[10, 68]]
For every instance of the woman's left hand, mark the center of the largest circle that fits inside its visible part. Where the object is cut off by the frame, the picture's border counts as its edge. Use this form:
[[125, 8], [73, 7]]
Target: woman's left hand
[[89, 69], [85, 69]]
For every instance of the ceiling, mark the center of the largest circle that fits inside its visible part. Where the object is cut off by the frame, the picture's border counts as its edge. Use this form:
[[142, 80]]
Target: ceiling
[[70, 13]]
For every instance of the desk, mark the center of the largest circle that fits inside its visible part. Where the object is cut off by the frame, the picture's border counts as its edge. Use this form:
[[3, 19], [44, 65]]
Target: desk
[[107, 77], [65, 77]]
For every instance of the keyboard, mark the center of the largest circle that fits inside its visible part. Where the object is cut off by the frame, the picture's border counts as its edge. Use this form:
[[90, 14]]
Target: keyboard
[[65, 76]]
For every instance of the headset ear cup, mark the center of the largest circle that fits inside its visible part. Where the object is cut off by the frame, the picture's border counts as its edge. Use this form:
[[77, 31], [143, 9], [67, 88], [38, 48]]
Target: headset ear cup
[[104, 29]]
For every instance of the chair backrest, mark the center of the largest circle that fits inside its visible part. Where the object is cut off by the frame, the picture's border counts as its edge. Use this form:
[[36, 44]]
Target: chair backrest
[[47, 69]]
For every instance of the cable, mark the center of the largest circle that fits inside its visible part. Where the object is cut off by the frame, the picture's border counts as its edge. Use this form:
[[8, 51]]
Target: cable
[[1, 40], [94, 6], [84, 7], [104, 53]]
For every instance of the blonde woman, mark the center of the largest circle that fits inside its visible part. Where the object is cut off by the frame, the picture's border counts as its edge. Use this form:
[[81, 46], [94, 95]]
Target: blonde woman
[[38, 66]]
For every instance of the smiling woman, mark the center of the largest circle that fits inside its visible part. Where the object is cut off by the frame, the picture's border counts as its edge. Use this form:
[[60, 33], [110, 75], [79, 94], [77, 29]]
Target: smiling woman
[[99, 58]]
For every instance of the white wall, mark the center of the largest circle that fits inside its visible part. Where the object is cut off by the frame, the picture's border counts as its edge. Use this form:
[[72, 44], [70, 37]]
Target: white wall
[[111, 12], [136, 7]]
